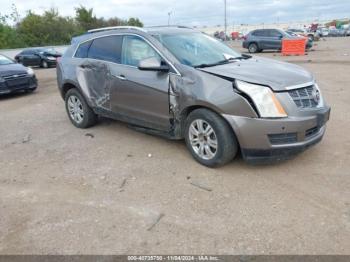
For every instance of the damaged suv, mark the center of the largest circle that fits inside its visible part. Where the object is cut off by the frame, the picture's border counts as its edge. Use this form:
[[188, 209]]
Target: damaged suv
[[182, 84]]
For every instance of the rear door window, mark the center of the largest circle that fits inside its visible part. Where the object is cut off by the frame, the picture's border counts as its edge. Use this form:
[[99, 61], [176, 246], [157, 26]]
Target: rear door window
[[274, 33], [260, 33], [136, 49], [106, 48], [28, 52]]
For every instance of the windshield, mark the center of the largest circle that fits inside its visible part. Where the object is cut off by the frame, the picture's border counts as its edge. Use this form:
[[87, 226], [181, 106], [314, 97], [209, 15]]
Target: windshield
[[195, 49], [49, 51], [291, 33], [5, 61]]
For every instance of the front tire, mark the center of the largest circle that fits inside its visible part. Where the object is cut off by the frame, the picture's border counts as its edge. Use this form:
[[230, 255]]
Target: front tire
[[44, 64], [209, 138], [253, 48], [79, 112]]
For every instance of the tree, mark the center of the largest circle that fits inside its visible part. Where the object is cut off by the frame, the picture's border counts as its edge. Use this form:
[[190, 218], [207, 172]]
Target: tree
[[51, 28], [135, 22], [9, 37], [85, 18], [47, 29]]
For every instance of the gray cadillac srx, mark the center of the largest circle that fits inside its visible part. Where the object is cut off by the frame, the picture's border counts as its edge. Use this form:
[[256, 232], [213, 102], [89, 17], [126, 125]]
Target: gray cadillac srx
[[180, 83]]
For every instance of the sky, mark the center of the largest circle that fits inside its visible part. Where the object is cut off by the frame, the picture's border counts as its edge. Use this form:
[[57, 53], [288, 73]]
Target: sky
[[195, 12]]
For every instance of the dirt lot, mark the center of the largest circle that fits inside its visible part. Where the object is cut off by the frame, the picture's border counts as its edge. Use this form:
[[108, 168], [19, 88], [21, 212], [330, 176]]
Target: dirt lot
[[63, 192]]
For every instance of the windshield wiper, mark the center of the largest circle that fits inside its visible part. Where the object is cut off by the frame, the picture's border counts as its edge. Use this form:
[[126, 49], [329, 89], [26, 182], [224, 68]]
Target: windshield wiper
[[222, 62], [243, 56], [225, 61]]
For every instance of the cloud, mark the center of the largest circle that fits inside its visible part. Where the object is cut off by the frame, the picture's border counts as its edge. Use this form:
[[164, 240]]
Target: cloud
[[196, 12]]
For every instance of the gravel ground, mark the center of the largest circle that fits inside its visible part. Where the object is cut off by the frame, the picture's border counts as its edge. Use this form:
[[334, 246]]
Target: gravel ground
[[113, 190]]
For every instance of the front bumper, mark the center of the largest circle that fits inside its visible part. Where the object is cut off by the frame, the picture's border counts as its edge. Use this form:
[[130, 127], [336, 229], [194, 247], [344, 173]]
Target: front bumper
[[51, 63], [16, 85], [271, 140]]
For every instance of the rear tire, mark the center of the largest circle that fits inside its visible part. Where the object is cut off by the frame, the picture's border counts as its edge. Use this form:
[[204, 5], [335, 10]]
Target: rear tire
[[209, 138], [253, 48], [79, 112]]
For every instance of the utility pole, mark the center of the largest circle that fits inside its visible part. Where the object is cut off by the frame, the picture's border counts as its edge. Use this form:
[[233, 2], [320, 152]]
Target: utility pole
[[225, 20], [169, 14]]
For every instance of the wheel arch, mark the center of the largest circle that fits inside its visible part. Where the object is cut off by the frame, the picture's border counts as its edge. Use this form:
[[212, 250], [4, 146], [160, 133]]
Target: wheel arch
[[187, 110], [254, 42], [66, 87]]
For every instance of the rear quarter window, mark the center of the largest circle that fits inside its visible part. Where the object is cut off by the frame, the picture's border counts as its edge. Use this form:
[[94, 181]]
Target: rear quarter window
[[82, 51]]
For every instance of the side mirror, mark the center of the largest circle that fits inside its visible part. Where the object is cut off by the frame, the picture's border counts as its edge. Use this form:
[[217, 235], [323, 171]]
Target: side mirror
[[152, 64]]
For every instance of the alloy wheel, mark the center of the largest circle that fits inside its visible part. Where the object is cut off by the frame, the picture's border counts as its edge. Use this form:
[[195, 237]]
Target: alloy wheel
[[203, 139], [253, 48], [75, 108]]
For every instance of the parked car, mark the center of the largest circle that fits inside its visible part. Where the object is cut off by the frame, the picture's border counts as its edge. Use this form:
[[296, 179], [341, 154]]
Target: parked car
[[323, 32], [221, 35], [268, 39], [337, 32], [43, 57], [313, 36], [296, 31], [182, 84], [309, 42], [15, 77]]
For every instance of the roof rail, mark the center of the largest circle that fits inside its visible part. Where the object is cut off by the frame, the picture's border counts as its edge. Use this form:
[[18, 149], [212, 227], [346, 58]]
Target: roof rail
[[114, 28], [177, 26]]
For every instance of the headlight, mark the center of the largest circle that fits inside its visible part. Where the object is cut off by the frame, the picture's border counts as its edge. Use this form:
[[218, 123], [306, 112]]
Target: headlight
[[30, 71], [264, 99]]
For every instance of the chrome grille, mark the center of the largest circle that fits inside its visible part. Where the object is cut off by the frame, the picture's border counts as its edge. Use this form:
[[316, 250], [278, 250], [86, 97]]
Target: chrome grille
[[17, 81], [12, 77], [305, 97]]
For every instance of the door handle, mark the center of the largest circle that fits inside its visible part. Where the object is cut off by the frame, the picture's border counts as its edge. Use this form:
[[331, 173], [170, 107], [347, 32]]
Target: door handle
[[121, 77]]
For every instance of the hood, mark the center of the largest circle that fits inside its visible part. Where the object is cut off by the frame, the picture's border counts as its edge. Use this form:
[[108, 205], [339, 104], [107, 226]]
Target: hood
[[275, 74], [12, 69], [56, 54]]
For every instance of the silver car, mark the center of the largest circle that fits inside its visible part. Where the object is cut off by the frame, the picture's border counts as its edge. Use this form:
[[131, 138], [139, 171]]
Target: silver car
[[179, 83]]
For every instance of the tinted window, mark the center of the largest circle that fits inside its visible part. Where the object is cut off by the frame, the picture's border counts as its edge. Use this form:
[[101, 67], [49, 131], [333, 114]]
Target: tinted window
[[106, 48], [136, 49], [274, 33], [260, 33], [27, 52], [82, 51]]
